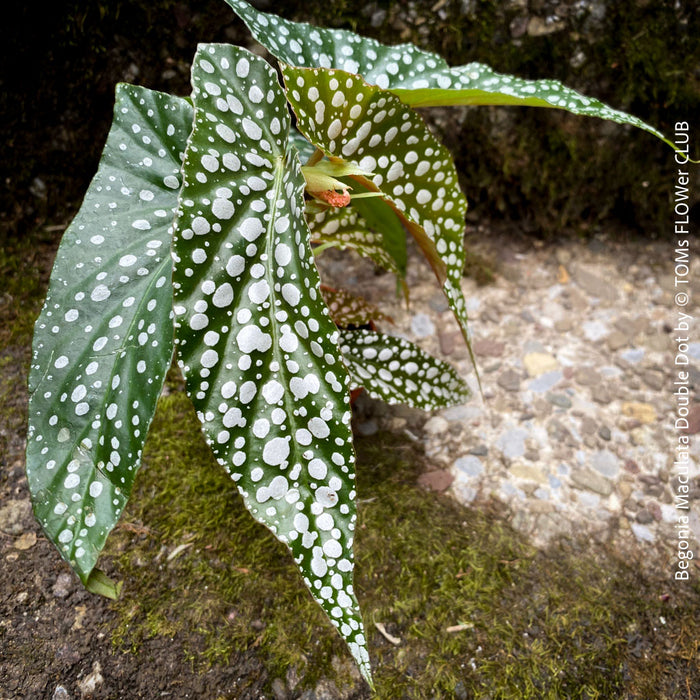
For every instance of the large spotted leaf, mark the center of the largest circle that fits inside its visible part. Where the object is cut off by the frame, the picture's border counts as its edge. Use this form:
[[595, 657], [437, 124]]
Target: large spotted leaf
[[103, 341], [397, 371], [419, 78], [254, 339], [349, 119]]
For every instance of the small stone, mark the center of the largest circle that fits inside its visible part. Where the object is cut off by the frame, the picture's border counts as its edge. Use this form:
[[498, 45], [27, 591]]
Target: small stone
[[488, 348], [594, 285], [537, 363], [422, 326], [470, 465], [616, 340], [436, 480], [588, 479], [509, 380], [448, 341], [604, 433], [436, 426], [479, 451], [633, 355], [60, 693], [586, 376], [560, 400], [89, 684], [279, 690], [654, 379], [642, 532], [25, 541], [545, 382], [606, 463], [540, 27], [644, 517], [464, 412], [643, 412], [601, 394], [63, 586], [631, 466], [655, 509], [528, 472], [588, 425], [512, 443], [13, 516], [594, 330]]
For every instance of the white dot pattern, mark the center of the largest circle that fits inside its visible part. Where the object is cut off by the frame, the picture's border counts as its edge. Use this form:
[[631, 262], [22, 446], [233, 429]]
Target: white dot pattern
[[399, 372], [414, 171], [254, 339], [420, 78], [106, 319]]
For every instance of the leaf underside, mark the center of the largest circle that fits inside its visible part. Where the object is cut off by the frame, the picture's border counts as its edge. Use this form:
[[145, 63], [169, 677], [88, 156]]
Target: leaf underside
[[103, 340], [399, 372], [420, 78], [254, 339], [349, 310]]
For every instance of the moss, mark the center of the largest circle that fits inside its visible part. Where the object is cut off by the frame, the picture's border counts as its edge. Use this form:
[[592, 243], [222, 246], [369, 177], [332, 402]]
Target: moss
[[576, 621]]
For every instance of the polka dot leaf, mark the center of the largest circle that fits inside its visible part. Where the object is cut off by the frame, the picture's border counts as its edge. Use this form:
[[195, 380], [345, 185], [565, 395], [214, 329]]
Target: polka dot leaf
[[399, 372], [103, 340], [420, 78], [347, 118], [254, 339]]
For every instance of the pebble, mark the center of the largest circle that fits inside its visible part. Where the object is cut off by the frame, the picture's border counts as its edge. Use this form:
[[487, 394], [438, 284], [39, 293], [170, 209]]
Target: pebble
[[509, 380], [537, 363], [512, 443], [471, 465], [435, 425], [88, 685], [560, 400], [606, 463], [63, 586], [642, 532], [14, 516], [593, 284], [642, 412], [546, 381], [593, 481], [60, 693], [422, 326]]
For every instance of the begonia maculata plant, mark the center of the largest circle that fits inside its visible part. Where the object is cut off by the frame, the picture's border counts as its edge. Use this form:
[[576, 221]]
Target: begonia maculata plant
[[197, 239]]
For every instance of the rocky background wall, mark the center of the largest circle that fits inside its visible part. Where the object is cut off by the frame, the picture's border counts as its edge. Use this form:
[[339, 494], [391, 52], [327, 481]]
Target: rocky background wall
[[548, 171]]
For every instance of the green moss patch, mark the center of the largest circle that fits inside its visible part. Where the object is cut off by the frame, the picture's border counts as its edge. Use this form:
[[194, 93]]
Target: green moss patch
[[475, 610]]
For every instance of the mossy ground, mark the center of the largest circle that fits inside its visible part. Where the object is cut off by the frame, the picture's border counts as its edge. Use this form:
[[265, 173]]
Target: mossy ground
[[576, 621]]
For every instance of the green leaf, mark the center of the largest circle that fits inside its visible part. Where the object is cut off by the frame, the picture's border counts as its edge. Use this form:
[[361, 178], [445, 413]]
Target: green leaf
[[415, 172], [254, 339], [419, 78], [397, 371], [103, 340]]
